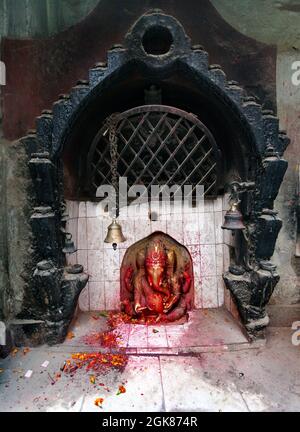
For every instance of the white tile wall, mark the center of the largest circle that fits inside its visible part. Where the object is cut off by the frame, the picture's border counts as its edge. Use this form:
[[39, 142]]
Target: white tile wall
[[196, 258], [112, 296], [207, 232], [94, 232], [210, 291], [208, 260], [218, 220], [82, 241], [97, 295], [219, 259], [191, 229], [200, 231], [95, 265]]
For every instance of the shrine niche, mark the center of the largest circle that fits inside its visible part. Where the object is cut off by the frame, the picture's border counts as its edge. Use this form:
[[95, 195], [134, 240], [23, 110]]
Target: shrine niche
[[157, 280], [182, 122]]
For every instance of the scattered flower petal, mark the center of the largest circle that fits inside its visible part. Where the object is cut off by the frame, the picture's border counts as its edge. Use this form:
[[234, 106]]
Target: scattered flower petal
[[96, 362], [121, 390], [98, 402], [14, 351], [103, 314], [70, 335]]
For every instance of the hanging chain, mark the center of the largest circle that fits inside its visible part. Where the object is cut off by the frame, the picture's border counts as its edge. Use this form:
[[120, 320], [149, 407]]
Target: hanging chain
[[112, 123]]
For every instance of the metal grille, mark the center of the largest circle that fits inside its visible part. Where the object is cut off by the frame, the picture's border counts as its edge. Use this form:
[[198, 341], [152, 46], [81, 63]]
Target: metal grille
[[156, 145]]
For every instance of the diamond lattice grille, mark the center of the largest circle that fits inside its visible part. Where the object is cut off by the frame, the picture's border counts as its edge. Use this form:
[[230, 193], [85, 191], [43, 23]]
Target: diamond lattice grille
[[156, 145]]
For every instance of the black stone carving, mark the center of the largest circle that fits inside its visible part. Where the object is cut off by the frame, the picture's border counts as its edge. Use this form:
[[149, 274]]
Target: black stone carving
[[274, 169], [258, 152], [44, 228], [268, 227], [252, 291], [42, 173]]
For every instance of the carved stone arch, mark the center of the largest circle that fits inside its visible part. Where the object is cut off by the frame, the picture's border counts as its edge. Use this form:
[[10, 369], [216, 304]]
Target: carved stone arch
[[225, 114], [246, 133]]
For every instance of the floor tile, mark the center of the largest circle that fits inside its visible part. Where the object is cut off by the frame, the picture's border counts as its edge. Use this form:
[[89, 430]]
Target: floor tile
[[157, 336], [138, 336], [142, 381], [186, 388]]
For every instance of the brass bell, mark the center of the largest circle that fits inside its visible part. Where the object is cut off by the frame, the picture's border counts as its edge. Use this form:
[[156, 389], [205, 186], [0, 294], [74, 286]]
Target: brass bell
[[114, 234], [233, 219], [69, 247]]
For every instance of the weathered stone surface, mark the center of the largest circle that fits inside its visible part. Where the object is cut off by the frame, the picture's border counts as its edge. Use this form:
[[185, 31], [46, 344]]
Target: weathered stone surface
[[47, 286], [271, 131], [274, 169], [44, 227], [44, 129], [288, 101], [42, 172], [27, 332], [4, 280], [71, 287], [17, 235], [268, 227], [252, 291]]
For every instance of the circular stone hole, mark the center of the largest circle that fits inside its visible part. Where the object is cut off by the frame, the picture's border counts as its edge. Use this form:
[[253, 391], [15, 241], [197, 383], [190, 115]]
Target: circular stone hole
[[157, 40]]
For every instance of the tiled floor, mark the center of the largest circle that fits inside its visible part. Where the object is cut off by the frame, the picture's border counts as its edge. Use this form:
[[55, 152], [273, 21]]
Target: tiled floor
[[263, 379], [206, 330]]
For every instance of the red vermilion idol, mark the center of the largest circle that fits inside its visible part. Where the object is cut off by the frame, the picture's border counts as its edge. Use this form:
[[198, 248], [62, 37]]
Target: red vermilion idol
[[157, 279]]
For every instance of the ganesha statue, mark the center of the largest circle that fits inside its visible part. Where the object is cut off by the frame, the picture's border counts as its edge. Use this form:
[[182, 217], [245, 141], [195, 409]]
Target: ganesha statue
[[157, 280]]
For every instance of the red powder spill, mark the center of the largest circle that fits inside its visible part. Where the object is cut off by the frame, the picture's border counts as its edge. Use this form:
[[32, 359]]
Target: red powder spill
[[107, 339], [96, 362], [116, 319], [92, 339], [110, 339], [101, 363]]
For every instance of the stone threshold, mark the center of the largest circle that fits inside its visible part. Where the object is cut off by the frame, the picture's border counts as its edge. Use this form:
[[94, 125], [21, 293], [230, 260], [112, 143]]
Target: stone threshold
[[180, 351], [206, 331]]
